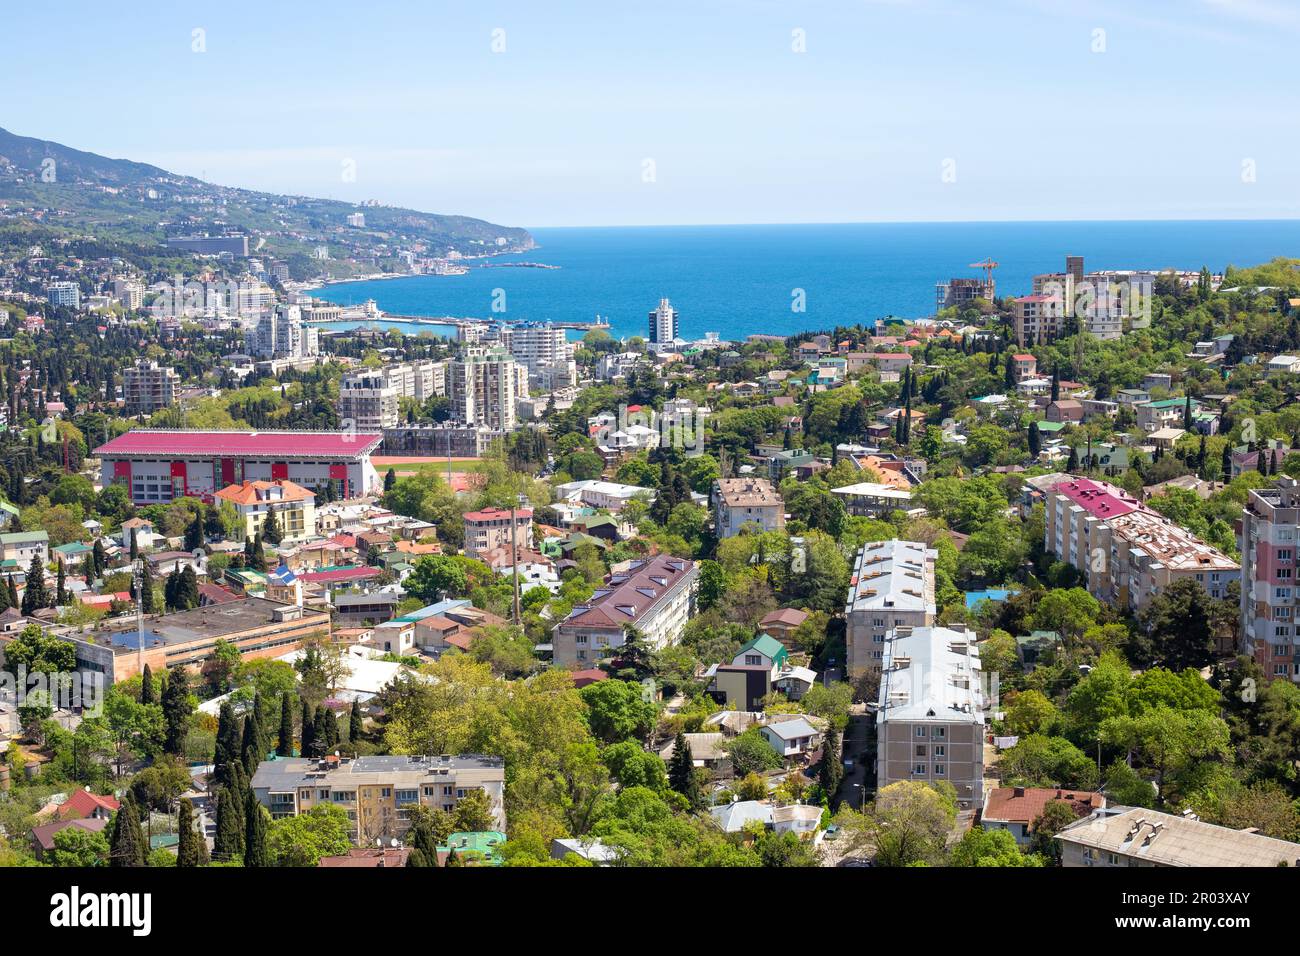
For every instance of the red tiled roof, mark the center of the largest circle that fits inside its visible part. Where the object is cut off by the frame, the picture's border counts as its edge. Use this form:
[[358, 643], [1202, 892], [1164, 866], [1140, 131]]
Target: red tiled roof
[[1025, 804], [360, 572], [166, 443], [626, 597], [251, 492], [589, 676], [1097, 497], [82, 803]]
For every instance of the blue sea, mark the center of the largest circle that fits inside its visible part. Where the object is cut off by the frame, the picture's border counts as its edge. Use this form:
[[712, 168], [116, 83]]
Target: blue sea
[[739, 280]]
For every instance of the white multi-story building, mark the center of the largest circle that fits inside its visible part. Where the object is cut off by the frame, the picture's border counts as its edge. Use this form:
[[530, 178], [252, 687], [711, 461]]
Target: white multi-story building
[[280, 333], [740, 503], [893, 587], [64, 293], [130, 293], [657, 597], [663, 325]]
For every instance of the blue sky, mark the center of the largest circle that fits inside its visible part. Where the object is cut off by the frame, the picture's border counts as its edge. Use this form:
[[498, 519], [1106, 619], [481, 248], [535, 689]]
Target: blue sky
[[1032, 113]]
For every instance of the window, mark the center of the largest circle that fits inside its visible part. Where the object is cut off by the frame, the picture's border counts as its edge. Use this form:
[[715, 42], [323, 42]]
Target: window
[[385, 792], [939, 770], [407, 796], [919, 770], [753, 660], [939, 750], [940, 733], [920, 731], [920, 750]]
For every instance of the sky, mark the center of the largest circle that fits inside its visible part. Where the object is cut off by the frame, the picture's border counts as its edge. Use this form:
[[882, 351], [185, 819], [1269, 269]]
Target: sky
[[712, 111]]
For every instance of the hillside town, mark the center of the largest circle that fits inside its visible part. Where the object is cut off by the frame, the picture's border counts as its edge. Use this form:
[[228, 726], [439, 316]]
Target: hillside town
[[1007, 585]]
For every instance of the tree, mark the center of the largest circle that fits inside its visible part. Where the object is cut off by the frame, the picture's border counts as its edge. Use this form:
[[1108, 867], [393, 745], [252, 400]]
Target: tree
[[192, 850], [146, 589], [831, 771], [980, 847], [473, 812], [617, 710], [75, 847], [356, 727], [39, 652], [127, 845], [1029, 712], [390, 479], [1179, 621], [1055, 817], [271, 532], [60, 589], [229, 841], [681, 773], [285, 740], [751, 753], [193, 534], [146, 687], [255, 849], [35, 596], [303, 839], [307, 721], [908, 823], [437, 576], [177, 707]]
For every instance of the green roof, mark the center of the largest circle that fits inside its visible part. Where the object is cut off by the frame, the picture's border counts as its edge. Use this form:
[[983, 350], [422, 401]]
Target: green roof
[[768, 646], [1050, 426], [24, 537], [1171, 402], [483, 841]]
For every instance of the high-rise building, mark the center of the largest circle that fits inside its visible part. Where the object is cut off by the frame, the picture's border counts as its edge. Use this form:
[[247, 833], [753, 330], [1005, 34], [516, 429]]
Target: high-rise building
[[483, 385], [148, 386], [130, 293], [1270, 527], [66, 294], [537, 346], [663, 324], [280, 333]]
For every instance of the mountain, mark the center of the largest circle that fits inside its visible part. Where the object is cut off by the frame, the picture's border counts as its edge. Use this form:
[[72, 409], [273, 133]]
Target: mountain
[[118, 199]]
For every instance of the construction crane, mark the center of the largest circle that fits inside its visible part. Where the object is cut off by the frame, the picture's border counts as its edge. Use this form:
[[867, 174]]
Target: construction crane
[[988, 265]]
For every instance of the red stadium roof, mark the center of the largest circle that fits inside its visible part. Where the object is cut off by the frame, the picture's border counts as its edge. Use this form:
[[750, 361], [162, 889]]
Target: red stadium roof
[[166, 443]]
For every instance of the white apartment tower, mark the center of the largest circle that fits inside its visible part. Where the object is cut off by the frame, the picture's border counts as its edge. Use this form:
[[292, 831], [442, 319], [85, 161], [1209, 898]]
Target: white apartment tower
[[483, 385], [663, 324]]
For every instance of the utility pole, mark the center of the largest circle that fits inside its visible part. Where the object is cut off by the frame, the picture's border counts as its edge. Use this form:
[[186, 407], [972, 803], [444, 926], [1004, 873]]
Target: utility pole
[[514, 552]]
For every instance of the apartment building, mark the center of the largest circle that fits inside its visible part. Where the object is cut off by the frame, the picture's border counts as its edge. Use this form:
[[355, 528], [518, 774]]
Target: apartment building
[[281, 334], [870, 498], [740, 503], [1270, 534], [130, 293], [663, 328], [1102, 301], [962, 292], [536, 345], [491, 528], [445, 439], [294, 507], [1132, 836], [892, 586], [21, 546], [367, 401], [930, 713], [1037, 319], [483, 386], [66, 294], [1128, 553], [148, 387], [1166, 413], [655, 596], [379, 792]]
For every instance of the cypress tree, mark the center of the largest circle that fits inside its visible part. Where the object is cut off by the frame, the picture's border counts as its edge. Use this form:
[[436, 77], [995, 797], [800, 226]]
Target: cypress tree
[[126, 846], [99, 557], [13, 592], [147, 695], [321, 731], [176, 710], [189, 851], [61, 588], [194, 533], [831, 771], [146, 589], [285, 749], [229, 841], [308, 732], [4, 599], [255, 835], [1227, 461], [681, 772], [251, 746], [228, 743], [261, 710], [135, 547], [355, 725]]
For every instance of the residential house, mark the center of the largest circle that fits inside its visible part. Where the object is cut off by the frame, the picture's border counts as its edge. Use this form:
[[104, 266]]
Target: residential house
[[1015, 809], [293, 505], [792, 739], [740, 503], [1132, 836]]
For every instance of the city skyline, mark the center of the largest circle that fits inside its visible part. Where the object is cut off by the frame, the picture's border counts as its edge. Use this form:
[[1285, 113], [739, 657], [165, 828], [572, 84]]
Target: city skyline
[[742, 113]]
